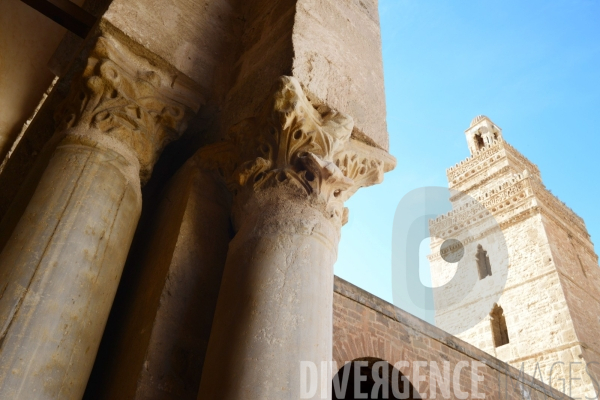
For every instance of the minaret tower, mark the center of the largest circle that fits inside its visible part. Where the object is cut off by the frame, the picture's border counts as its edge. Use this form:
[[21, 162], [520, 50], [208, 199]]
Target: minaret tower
[[547, 317]]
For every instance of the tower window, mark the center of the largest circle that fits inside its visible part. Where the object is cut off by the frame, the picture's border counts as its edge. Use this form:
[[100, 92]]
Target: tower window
[[499, 329], [483, 262], [479, 142]]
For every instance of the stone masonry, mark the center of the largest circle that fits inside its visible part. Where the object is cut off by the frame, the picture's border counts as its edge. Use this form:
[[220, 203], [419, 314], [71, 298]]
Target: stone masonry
[[550, 300], [366, 327]]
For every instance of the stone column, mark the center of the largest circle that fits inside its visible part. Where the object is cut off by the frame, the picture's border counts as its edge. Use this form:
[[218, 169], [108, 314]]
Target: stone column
[[291, 168], [60, 269], [161, 329]]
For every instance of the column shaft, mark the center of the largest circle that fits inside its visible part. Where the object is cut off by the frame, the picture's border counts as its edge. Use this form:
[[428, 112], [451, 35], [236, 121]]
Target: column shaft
[[61, 268], [275, 303], [290, 168], [162, 324]]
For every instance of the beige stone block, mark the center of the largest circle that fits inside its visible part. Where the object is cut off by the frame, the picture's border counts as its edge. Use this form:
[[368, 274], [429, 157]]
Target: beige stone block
[[332, 47], [337, 58], [188, 35]]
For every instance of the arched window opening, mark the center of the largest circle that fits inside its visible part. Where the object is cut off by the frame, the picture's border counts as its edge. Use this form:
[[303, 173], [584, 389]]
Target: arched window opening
[[371, 378], [483, 262], [499, 329], [479, 142]]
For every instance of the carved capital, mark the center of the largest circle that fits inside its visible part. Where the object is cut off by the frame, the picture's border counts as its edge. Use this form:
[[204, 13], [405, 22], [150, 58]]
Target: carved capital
[[126, 98], [293, 146]]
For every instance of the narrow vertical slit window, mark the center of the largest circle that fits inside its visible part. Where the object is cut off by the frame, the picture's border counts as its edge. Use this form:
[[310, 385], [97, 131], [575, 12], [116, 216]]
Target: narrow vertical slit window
[[483, 262], [499, 328]]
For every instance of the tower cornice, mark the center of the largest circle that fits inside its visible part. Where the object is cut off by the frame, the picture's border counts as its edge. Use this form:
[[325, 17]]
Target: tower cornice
[[512, 198], [483, 162]]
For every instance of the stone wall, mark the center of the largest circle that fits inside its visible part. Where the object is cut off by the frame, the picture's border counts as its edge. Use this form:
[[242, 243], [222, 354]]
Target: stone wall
[[365, 326], [579, 276], [550, 299]]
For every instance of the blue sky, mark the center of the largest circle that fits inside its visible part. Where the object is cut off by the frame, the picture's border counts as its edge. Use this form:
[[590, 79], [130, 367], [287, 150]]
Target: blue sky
[[532, 66]]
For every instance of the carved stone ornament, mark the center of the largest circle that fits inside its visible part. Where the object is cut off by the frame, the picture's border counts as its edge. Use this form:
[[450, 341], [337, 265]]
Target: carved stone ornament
[[291, 144], [125, 98]]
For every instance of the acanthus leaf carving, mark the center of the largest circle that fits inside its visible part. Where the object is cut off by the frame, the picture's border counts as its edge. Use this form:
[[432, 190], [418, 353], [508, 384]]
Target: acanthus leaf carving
[[357, 163], [290, 143], [122, 95]]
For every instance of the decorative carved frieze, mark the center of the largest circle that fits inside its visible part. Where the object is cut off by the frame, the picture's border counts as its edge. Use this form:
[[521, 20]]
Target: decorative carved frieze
[[508, 195], [471, 163], [481, 162], [480, 185], [458, 219], [128, 100], [514, 192], [491, 203], [290, 144]]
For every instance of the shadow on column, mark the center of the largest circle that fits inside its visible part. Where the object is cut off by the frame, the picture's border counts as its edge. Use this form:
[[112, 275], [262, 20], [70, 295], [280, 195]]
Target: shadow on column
[[155, 343]]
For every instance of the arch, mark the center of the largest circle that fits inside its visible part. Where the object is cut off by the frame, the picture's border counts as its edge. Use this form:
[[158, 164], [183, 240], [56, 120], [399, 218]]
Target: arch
[[479, 142], [373, 377]]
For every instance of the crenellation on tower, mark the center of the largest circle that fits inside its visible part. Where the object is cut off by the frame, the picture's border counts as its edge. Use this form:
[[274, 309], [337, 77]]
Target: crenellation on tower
[[550, 302], [488, 162]]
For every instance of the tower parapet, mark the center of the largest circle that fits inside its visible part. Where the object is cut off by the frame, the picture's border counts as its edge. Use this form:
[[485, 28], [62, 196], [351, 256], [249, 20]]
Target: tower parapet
[[486, 162]]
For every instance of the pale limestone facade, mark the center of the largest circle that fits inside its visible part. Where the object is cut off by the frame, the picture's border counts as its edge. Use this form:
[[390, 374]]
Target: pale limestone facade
[[550, 298]]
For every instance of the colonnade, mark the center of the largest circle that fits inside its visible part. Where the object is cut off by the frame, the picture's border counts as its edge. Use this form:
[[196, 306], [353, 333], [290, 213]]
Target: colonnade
[[289, 169]]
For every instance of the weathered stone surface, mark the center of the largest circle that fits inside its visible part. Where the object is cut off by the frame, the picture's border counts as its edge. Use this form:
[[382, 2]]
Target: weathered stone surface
[[162, 329], [187, 34], [551, 298], [365, 326], [61, 266], [290, 169], [337, 58], [332, 48], [60, 271], [275, 303]]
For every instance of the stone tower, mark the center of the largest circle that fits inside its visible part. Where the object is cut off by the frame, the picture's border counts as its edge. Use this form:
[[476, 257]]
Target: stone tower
[[546, 318]]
